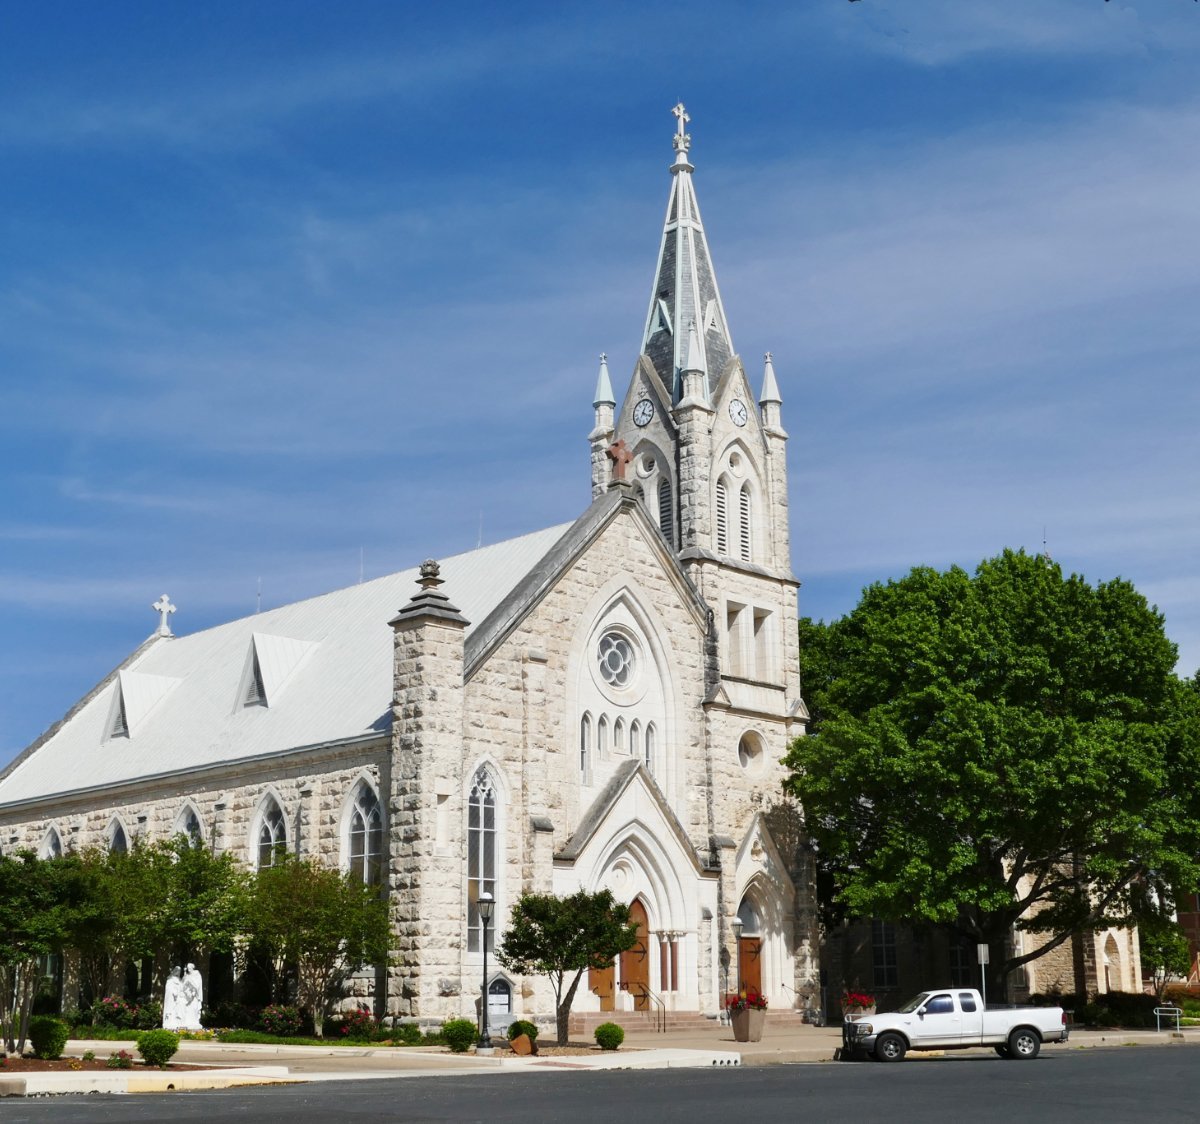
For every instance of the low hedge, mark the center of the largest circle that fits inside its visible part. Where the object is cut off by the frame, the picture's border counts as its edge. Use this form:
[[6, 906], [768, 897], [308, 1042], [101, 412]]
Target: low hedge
[[157, 1047]]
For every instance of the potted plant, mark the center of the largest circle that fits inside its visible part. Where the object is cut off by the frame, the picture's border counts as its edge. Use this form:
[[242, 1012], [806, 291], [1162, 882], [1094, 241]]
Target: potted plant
[[855, 1004], [747, 1012]]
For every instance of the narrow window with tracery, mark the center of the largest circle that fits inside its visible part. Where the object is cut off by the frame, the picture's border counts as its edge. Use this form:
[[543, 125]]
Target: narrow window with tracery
[[366, 837], [272, 834], [481, 853], [189, 824], [746, 529], [722, 519], [666, 514]]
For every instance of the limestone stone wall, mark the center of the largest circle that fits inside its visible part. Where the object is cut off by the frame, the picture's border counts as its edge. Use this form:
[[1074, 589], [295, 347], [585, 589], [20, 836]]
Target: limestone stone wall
[[311, 791]]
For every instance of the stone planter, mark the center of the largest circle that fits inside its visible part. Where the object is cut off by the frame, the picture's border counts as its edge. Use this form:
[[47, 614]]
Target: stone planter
[[748, 1024], [853, 1014]]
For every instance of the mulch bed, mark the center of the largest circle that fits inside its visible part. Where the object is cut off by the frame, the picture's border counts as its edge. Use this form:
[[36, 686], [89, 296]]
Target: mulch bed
[[14, 1064]]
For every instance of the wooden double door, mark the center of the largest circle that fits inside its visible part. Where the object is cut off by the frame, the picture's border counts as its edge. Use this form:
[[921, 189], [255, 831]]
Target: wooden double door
[[635, 968]]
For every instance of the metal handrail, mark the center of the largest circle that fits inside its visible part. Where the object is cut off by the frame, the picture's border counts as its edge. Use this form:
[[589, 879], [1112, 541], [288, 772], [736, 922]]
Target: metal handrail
[[659, 1007], [1167, 1012]]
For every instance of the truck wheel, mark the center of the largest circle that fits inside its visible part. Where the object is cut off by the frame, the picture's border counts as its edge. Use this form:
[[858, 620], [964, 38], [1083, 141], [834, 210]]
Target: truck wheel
[[890, 1048], [1024, 1044], [1002, 1051]]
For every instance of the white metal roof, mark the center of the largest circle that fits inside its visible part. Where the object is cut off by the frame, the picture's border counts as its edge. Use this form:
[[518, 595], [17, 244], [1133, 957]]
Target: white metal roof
[[326, 664]]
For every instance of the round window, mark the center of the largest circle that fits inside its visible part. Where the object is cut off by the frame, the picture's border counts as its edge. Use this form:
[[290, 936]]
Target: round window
[[615, 655]]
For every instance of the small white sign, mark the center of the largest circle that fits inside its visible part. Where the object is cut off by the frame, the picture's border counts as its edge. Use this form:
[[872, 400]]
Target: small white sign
[[981, 950]]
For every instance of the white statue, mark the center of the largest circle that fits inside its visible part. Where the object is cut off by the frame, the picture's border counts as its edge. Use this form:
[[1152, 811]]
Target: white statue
[[173, 1000], [191, 999]]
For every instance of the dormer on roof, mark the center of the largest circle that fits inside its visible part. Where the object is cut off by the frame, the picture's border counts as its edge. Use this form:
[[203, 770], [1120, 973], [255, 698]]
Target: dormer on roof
[[135, 695], [271, 664]]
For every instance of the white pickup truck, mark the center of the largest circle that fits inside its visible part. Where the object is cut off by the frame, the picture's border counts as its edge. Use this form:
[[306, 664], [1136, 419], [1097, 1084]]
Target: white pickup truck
[[954, 1019]]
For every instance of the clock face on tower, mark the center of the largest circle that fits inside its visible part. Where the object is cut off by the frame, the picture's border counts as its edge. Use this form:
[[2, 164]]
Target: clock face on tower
[[643, 412], [737, 411]]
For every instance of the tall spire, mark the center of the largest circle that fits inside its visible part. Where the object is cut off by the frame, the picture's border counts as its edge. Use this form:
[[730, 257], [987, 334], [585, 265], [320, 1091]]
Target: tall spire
[[685, 286]]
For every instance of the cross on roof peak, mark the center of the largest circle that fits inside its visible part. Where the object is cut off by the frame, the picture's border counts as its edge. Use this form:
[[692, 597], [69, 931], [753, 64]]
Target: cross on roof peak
[[618, 452], [683, 140], [164, 608]]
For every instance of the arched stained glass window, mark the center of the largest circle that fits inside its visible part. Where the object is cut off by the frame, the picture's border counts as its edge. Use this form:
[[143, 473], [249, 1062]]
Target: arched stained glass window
[[118, 843], [481, 853], [52, 847], [272, 834], [188, 824], [366, 836]]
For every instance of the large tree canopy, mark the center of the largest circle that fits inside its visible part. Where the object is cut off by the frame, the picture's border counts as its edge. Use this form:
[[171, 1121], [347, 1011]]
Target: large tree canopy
[[1008, 748]]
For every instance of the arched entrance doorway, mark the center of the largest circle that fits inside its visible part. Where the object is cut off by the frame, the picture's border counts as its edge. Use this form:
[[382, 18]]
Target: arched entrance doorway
[[750, 947], [635, 964]]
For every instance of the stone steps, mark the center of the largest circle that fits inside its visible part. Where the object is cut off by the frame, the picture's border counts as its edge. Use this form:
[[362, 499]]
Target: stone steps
[[583, 1025]]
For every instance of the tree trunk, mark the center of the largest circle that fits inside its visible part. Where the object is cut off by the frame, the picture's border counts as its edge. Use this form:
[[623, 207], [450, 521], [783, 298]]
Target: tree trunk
[[562, 1015]]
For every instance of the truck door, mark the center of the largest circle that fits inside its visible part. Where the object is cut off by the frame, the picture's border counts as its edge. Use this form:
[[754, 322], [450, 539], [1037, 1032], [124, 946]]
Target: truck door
[[972, 1017], [939, 1021]]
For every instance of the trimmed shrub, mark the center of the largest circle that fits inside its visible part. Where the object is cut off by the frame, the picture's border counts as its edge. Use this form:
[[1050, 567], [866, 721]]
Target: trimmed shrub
[[523, 1026], [609, 1036], [48, 1036], [157, 1047], [280, 1020], [460, 1034], [407, 1033]]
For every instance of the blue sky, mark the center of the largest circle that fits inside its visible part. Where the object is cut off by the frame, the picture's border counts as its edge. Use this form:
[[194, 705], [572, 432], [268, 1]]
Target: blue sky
[[286, 282]]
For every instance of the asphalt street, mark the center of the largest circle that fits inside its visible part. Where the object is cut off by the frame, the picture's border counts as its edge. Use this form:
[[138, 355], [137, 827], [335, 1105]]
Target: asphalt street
[[1129, 1084]]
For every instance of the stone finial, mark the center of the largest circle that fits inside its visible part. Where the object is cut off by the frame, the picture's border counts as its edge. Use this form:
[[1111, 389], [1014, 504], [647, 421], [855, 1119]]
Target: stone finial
[[164, 608], [429, 578]]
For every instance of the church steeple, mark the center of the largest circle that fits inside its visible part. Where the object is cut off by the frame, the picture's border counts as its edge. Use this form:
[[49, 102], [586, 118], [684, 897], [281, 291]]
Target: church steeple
[[685, 286]]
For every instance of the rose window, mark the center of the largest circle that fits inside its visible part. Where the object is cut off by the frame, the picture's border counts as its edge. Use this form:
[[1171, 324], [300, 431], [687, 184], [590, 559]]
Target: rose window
[[616, 659]]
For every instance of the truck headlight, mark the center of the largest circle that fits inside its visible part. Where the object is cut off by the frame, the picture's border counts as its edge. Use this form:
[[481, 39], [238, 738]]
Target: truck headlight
[[863, 1030]]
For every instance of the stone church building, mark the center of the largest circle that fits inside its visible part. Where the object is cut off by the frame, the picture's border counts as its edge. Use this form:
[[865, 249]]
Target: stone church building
[[600, 704]]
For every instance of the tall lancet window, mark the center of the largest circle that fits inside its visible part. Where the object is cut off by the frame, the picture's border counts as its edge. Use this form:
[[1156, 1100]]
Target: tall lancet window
[[272, 834], [366, 836], [118, 844], [666, 514], [722, 518], [481, 853], [651, 749], [585, 748], [746, 528]]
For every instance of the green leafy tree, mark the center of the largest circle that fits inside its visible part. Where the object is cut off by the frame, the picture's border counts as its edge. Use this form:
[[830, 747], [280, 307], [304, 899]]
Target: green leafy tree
[[202, 903], [1166, 953], [562, 938], [998, 749], [320, 924], [35, 914]]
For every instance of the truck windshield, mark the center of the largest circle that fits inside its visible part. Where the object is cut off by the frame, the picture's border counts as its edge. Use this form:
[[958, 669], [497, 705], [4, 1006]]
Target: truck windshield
[[913, 1004]]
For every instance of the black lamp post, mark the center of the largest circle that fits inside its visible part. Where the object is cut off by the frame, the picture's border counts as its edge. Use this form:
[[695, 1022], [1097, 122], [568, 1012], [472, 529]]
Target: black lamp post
[[484, 905]]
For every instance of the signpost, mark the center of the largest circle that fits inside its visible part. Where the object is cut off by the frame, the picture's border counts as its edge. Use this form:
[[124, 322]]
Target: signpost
[[981, 952]]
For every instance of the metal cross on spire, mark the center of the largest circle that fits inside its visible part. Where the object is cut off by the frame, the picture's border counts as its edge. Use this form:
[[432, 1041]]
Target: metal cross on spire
[[683, 140], [164, 608]]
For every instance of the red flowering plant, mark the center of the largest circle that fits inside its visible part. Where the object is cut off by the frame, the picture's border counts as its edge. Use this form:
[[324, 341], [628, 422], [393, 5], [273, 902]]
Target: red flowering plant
[[851, 999], [748, 999]]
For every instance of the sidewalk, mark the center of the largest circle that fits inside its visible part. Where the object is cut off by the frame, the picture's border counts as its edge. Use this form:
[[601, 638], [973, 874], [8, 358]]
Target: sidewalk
[[704, 1047]]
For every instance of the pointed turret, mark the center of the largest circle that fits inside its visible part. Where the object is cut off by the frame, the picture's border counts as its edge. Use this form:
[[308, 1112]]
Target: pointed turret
[[603, 402], [694, 372], [685, 286], [769, 401]]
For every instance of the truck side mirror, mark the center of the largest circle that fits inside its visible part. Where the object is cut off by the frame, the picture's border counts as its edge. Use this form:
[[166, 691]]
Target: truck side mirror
[[920, 1012]]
